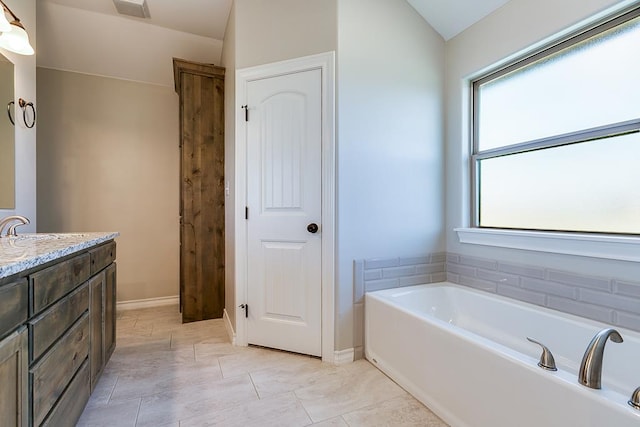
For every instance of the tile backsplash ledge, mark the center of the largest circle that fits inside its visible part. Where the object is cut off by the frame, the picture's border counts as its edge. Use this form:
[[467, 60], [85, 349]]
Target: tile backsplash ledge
[[605, 299]]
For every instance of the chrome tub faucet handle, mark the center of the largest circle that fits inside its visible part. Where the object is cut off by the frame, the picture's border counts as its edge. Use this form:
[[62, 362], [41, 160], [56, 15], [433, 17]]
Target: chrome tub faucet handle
[[546, 358]]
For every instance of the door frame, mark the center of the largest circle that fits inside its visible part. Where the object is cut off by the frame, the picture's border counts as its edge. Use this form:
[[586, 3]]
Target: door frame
[[326, 63]]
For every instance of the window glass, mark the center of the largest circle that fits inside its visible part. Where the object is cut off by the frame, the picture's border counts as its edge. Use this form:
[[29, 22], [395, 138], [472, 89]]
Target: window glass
[[592, 187], [590, 84], [557, 136]]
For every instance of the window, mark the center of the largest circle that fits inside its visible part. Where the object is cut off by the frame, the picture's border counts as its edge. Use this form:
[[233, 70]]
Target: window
[[556, 136]]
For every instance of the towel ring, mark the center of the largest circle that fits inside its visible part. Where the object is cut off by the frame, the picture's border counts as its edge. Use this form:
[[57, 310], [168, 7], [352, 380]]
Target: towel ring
[[24, 105], [9, 112]]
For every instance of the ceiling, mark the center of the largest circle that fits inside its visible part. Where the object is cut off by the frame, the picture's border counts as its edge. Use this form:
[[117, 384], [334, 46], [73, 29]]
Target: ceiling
[[208, 18], [451, 17]]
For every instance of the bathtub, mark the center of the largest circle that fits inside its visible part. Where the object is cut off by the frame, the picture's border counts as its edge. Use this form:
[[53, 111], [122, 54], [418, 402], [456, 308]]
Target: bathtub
[[464, 354]]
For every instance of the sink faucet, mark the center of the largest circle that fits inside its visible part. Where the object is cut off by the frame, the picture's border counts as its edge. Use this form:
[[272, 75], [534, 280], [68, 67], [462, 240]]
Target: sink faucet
[[12, 229], [590, 373]]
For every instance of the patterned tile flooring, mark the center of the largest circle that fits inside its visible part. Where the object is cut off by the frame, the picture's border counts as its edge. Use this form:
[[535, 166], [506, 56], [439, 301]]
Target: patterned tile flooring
[[164, 373]]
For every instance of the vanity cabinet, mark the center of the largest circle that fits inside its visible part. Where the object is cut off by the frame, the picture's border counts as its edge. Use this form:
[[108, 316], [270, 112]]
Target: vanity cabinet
[[58, 324], [14, 379]]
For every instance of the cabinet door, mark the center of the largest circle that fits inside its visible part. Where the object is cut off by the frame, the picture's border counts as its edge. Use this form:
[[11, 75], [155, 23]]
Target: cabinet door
[[201, 89], [14, 379], [96, 312], [110, 312]]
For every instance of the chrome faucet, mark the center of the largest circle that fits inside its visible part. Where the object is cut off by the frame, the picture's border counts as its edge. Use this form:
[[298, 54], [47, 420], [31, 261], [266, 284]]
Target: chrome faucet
[[12, 229], [590, 373]]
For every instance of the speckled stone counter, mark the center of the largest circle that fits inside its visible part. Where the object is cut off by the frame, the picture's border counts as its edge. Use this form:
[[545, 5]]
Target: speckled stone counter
[[31, 250]]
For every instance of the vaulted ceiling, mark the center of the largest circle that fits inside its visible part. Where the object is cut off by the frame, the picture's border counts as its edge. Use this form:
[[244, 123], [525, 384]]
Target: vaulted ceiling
[[208, 18]]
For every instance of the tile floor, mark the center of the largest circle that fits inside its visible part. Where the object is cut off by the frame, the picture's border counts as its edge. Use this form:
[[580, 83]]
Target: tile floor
[[164, 373]]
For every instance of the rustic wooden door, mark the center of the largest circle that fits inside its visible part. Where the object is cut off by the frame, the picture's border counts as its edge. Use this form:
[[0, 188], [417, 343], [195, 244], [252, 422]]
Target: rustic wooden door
[[284, 197], [201, 91]]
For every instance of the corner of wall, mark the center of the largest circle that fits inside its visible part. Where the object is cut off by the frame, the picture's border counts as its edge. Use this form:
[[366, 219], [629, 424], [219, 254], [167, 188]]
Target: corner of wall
[[25, 138], [229, 62]]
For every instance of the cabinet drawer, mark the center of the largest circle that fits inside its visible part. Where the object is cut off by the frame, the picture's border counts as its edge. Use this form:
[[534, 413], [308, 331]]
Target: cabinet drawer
[[70, 406], [15, 298], [102, 256], [47, 327], [54, 282], [52, 374]]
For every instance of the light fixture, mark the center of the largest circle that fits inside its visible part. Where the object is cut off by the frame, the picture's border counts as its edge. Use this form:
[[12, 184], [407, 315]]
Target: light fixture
[[4, 23], [136, 8], [14, 38]]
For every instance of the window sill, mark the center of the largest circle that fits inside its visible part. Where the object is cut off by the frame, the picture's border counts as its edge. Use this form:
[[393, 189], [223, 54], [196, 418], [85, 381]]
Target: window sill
[[598, 246]]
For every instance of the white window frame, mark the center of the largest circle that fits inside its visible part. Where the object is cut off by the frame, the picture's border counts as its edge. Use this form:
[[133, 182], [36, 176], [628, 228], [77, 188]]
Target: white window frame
[[600, 245]]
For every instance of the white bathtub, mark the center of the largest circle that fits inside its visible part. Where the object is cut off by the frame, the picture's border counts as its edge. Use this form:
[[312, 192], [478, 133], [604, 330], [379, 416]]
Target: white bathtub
[[464, 354]]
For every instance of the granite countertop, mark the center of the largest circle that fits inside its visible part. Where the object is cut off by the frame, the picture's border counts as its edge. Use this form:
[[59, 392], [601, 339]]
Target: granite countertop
[[27, 250]]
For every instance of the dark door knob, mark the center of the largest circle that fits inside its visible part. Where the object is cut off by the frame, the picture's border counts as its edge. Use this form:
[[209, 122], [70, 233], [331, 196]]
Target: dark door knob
[[312, 228]]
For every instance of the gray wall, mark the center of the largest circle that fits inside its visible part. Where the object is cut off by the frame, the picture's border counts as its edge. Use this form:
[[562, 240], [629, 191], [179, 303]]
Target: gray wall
[[108, 160], [390, 79], [108, 156], [260, 32], [390, 141], [275, 30]]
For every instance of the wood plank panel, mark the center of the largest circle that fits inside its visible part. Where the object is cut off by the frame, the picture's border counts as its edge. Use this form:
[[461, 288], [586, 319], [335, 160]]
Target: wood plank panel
[[201, 89]]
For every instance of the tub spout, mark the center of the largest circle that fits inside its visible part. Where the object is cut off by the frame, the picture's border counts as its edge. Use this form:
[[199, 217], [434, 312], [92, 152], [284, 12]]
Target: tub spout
[[590, 373], [634, 402]]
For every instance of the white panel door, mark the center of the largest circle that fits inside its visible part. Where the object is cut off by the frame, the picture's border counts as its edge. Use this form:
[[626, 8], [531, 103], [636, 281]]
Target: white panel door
[[284, 193]]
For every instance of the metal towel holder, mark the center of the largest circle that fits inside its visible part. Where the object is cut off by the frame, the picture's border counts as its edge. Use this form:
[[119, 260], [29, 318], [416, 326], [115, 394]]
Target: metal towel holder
[[24, 105]]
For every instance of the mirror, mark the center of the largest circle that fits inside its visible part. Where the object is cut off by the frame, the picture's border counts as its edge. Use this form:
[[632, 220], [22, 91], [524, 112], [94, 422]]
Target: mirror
[[7, 137]]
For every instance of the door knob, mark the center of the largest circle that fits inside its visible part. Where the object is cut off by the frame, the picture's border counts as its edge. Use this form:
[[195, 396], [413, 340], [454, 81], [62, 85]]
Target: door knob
[[312, 228]]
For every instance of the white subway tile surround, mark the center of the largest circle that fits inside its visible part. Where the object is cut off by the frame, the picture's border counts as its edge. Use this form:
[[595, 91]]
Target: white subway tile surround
[[608, 300]]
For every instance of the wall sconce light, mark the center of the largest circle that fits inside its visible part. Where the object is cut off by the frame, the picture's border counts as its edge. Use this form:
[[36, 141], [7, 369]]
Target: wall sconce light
[[14, 38]]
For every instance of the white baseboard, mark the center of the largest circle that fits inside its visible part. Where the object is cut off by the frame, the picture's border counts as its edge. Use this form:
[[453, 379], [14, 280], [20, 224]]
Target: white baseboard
[[147, 303], [343, 357], [229, 326]]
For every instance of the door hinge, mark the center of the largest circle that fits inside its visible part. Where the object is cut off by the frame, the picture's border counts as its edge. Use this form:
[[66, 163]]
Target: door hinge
[[246, 212], [246, 112], [245, 307]]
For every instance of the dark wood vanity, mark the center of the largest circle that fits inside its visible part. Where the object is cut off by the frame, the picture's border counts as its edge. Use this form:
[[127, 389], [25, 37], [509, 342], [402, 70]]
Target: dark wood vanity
[[57, 332]]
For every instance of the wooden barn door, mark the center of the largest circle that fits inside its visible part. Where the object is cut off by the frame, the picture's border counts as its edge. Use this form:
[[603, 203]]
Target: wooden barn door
[[201, 91]]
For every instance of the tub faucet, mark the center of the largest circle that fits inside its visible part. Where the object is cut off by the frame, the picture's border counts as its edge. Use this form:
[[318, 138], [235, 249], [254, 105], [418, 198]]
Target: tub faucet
[[590, 373], [12, 229]]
